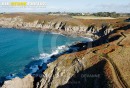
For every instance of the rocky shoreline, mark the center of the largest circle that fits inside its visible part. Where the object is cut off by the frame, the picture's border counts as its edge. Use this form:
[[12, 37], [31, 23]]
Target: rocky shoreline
[[93, 65], [66, 49], [56, 27]]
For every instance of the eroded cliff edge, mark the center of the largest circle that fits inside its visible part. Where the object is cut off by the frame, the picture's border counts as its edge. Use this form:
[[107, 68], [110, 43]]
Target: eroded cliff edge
[[63, 25], [103, 63]]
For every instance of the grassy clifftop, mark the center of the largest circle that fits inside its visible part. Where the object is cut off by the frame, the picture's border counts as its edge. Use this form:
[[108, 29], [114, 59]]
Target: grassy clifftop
[[104, 64], [70, 20]]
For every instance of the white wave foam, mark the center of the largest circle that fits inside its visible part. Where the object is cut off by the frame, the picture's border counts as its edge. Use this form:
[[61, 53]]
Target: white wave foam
[[90, 39], [45, 57], [59, 50], [57, 33]]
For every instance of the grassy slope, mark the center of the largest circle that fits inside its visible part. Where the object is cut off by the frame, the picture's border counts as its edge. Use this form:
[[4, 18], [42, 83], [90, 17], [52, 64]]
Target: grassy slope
[[29, 17], [116, 53]]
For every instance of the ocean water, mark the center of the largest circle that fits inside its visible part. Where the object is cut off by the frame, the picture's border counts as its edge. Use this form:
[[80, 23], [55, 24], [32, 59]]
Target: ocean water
[[18, 48]]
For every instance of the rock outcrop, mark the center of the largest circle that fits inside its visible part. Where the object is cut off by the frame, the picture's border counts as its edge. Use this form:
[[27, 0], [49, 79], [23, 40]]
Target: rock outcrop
[[26, 82], [18, 22]]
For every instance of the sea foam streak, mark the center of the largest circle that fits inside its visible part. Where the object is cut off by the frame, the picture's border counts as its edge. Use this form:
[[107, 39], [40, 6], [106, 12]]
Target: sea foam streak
[[45, 57], [59, 50]]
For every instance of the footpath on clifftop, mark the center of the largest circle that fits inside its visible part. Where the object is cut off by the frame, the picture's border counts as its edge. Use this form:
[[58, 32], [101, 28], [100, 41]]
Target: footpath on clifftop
[[102, 63]]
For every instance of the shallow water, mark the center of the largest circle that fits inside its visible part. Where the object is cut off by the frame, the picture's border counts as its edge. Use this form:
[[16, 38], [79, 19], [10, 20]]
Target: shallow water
[[20, 47]]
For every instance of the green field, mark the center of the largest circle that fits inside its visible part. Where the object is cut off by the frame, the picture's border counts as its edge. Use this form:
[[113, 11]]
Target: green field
[[92, 17]]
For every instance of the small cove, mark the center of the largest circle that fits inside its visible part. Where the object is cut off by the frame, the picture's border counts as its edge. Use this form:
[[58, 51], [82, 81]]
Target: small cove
[[22, 50]]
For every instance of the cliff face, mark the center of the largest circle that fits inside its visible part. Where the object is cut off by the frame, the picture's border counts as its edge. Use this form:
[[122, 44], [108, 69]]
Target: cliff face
[[56, 26], [26, 82], [103, 63]]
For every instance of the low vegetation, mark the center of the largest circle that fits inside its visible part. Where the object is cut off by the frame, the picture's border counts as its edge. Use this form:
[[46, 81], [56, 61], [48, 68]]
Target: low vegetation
[[69, 20]]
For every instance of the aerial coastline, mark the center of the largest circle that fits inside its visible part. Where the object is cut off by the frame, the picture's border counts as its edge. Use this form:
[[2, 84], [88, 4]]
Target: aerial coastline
[[108, 37]]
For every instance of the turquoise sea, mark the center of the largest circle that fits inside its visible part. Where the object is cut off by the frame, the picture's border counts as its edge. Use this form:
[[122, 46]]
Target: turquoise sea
[[20, 49]]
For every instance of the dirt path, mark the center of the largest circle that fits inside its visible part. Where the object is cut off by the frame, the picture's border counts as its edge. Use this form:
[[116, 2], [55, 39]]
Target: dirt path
[[116, 75]]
